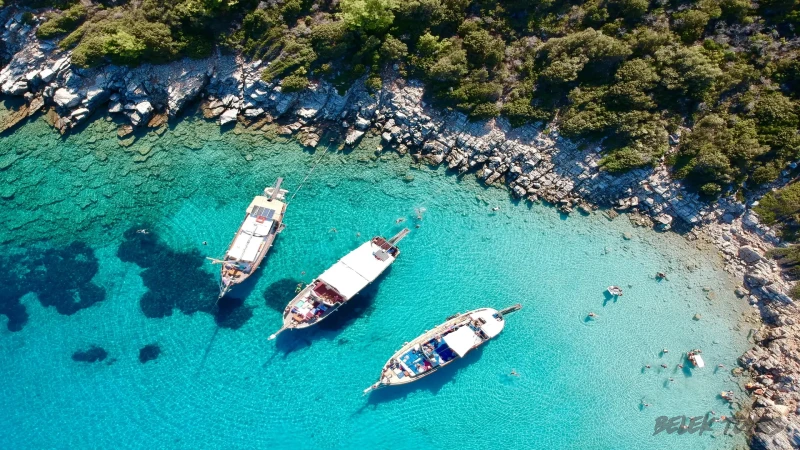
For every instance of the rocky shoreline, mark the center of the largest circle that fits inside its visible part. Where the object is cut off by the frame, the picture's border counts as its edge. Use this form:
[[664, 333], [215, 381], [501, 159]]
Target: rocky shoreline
[[534, 163]]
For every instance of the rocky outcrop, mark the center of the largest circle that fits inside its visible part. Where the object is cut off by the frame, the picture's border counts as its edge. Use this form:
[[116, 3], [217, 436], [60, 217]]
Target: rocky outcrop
[[534, 162]]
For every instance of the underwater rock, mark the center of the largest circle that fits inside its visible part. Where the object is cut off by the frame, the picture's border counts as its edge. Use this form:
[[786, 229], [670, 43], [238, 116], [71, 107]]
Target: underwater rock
[[91, 355], [13, 269], [63, 278], [149, 352], [11, 307], [60, 277], [11, 119], [174, 280]]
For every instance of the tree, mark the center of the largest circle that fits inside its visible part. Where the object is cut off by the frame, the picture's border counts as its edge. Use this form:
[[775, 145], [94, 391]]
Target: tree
[[393, 48], [719, 150], [482, 48], [370, 16], [690, 24], [686, 70]]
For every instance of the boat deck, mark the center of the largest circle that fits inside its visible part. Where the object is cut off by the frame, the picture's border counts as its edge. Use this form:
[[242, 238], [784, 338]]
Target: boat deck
[[440, 346], [258, 225], [360, 267], [313, 303]]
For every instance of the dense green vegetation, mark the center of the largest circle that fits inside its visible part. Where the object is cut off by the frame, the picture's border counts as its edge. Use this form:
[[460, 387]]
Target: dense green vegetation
[[627, 72], [781, 208]]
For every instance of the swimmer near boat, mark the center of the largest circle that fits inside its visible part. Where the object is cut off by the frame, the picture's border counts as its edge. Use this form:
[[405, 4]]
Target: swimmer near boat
[[341, 282], [262, 222], [445, 343]]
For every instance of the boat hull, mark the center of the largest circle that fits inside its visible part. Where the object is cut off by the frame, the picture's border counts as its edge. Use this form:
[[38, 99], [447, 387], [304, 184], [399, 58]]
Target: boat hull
[[394, 380], [340, 283], [262, 223]]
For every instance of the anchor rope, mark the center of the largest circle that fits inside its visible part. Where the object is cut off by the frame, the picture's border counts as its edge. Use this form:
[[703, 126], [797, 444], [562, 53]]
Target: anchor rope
[[300, 186]]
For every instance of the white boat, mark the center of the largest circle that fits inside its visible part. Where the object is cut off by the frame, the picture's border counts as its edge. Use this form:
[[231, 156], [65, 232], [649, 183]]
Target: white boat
[[616, 291], [263, 220], [341, 282], [445, 343], [696, 359]]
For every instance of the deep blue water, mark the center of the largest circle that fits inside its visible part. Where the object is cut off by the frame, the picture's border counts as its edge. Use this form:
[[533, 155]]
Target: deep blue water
[[76, 275]]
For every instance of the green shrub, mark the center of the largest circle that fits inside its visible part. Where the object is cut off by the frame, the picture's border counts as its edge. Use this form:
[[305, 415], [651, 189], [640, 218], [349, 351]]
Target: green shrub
[[482, 48], [393, 49], [623, 160], [374, 83], [370, 16], [27, 17], [633, 10], [295, 82], [296, 54], [690, 24], [485, 111], [62, 23], [765, 174], [710, 189], [780, 205]]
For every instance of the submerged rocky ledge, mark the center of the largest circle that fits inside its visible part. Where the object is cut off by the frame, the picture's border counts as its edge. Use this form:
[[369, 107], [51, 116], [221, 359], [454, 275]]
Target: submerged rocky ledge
[[534, 162]]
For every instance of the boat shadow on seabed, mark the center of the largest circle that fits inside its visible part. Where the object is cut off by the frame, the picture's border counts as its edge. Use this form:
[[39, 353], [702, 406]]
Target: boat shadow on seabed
[[360, 306], [432, 383]]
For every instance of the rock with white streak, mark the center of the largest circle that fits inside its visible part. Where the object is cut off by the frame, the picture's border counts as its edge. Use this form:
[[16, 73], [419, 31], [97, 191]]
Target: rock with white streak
[[47, 75], [353, 136], [228, 116], [66, 99]]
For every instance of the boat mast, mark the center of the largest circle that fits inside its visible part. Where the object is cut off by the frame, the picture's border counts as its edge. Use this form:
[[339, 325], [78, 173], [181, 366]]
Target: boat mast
[[399, 236], [510, 309], [276, 189]]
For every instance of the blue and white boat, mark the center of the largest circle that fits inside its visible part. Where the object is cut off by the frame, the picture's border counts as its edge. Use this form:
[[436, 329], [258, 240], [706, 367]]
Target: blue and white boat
[[442, 345]]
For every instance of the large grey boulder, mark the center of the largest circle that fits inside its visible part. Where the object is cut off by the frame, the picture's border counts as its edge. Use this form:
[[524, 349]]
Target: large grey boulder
[[18, 87], [228, 116], [749, 255], [66, 99], [353, 136], [144, 108]]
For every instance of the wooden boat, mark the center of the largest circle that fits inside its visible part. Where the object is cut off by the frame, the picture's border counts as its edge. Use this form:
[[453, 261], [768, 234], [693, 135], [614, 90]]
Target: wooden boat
[[442, 345], [341, 282], [261, 225]]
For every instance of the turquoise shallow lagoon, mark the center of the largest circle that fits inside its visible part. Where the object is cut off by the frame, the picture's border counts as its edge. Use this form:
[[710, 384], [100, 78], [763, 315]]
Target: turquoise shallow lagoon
[[219, 383]]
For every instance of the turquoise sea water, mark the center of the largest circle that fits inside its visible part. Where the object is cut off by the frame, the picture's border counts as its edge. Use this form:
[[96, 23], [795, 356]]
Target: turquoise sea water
[[68, 209]]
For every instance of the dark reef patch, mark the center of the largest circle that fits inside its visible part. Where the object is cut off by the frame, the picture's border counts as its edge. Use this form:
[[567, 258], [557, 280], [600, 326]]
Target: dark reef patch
[[60, 277], [63, 278], [91, 355], [176, 280], [278, 294], [12, 280], [149, 352]]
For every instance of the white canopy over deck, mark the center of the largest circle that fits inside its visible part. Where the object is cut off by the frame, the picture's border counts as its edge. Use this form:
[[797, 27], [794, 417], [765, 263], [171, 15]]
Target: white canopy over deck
[[357, 269], [254, 232], [462, 340]]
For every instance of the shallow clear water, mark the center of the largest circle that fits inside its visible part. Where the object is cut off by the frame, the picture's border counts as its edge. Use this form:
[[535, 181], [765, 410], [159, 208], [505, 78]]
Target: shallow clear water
[[218, 382]]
